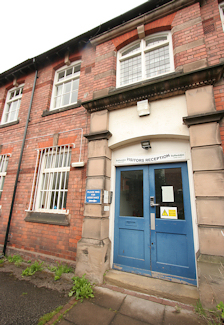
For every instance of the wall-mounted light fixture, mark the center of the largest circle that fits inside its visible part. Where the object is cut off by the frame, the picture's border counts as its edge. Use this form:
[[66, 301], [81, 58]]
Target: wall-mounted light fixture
[[143, 107], [78, 164], [145, 144]]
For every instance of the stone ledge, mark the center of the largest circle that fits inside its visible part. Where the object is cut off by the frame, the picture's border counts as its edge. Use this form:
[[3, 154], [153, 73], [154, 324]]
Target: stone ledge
[[98, 135], [203, 118], [59, 219]]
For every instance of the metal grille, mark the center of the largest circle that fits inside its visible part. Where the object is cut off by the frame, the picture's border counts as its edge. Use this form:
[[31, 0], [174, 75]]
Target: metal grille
[[157, 61], [4, 159], [131, 70], [50, 184]]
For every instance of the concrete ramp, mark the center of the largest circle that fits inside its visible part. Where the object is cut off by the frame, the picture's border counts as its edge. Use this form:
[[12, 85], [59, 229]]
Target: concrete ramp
[[187, 294]]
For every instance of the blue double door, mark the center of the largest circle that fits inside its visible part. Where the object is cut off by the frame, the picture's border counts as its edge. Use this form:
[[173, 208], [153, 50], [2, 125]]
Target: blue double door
[[153, 223]]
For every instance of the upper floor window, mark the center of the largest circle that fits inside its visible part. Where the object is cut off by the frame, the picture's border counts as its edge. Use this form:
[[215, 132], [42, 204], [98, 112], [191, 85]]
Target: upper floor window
[[4, 159], [144, 59], [66, 86], [221, 10], [12, 105]]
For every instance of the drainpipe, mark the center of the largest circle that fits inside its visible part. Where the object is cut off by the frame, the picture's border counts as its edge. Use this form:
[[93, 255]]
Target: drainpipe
[[18, 169]]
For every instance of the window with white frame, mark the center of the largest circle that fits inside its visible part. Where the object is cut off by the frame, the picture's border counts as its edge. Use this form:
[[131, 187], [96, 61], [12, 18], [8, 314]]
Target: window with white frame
[[50, 184], [144, 59], [221, 10], [66, 86], [12, 105], [4, 159]]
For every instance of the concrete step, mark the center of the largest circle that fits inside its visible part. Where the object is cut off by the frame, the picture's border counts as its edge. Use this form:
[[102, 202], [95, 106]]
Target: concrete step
[[187, 294]]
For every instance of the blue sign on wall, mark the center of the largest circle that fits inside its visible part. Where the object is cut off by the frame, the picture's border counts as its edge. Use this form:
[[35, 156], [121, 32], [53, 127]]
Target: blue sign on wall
[[93, 196]]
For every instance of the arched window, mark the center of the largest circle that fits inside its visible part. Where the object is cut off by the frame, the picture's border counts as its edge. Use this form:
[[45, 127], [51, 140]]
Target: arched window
[[66, 86], [144, 59]]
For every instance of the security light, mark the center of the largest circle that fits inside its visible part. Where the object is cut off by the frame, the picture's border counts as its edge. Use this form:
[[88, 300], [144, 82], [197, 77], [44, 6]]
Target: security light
[[145, 144]]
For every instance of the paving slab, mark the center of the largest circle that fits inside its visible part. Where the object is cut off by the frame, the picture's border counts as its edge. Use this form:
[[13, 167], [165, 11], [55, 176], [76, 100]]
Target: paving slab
[[108, 298], [183, 317], [86, 313], [143, 310], [123, 320]]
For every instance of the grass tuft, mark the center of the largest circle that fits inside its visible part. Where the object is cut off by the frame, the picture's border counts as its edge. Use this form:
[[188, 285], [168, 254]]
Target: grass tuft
[[47, 317]]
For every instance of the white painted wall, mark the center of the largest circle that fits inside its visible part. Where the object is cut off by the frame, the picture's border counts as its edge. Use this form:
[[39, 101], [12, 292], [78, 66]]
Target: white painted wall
[[167, 134], [165, 120]]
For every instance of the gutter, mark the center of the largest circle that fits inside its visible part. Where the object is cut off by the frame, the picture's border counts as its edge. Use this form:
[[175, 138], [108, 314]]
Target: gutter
[[18, 169]]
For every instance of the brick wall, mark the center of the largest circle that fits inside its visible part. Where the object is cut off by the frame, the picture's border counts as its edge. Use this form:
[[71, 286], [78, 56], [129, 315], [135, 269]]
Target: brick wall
[[58, 241], [197, 38]]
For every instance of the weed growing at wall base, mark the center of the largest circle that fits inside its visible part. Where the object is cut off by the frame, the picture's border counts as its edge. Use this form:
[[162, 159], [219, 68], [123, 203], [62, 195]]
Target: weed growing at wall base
[[59, 270], [32, 269], [82, 288]]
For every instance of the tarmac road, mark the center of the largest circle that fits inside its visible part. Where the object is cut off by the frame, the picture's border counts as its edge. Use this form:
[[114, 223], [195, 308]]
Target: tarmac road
[[22, 303]]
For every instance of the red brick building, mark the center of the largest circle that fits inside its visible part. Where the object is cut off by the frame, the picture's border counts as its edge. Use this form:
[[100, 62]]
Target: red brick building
[[133, 112]]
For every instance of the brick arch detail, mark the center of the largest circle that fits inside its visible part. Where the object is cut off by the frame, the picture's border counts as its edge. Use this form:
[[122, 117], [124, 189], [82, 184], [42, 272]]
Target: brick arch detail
[[159, 25]]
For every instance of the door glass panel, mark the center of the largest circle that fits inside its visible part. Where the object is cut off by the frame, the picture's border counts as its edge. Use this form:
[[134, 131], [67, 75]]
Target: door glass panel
[[131, 193], [169, 192]]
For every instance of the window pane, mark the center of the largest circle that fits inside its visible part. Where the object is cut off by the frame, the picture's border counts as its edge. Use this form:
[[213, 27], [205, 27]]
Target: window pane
[[67, 87], [65, 99], [11, 95], [131, 70], [77, 68], [131, 193], [57, 102], [59, 90], [131, 50], [69, 72], [155, 41], [169, 177], [75, 84], [61, 75], [157, 62]]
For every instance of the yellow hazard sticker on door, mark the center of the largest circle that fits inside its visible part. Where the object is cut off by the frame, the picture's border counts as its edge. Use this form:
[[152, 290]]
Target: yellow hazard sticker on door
[[168, 213]]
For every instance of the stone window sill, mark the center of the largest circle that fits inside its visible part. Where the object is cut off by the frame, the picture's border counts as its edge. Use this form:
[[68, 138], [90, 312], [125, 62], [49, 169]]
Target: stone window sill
[[48, 218], [9, 124], [62, 109]]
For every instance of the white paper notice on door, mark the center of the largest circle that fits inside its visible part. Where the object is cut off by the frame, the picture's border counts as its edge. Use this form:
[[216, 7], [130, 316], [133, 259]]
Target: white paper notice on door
[[167, 194], [168, 213]]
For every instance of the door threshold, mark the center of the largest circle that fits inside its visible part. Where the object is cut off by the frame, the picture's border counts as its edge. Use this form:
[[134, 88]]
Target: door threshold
[[179, 292]]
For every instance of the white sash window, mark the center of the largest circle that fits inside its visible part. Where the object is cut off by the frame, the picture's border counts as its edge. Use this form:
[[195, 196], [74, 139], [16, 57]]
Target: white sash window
[[66, 86], [12, 105], [221, 10], [4, 159]]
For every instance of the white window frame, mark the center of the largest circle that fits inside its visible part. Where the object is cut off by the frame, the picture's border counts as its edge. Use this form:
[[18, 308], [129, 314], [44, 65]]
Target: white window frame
[[45, 184], [9, 102], [142, 51], [221, 9], [58, 82], [4, 159]]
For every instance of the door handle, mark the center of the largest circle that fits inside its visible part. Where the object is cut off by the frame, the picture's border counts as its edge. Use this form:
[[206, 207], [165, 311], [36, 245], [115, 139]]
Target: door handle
[[152, 204]]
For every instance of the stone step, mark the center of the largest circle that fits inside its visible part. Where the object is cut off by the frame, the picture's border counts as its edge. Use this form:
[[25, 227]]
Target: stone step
[[179, 292]]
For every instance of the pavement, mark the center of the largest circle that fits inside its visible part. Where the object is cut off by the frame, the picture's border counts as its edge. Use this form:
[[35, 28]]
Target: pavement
[[23, 303], [116, 306]]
